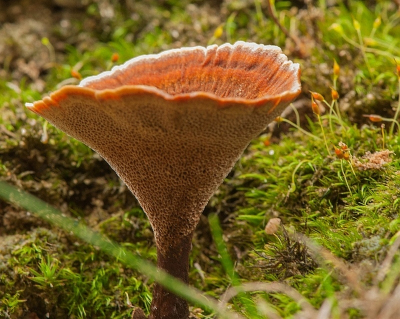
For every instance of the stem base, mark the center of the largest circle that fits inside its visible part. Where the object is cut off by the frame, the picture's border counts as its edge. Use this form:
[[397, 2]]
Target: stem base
[[175, 261]]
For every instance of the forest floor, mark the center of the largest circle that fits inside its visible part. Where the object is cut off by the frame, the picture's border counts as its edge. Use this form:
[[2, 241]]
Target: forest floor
[[332, 179]]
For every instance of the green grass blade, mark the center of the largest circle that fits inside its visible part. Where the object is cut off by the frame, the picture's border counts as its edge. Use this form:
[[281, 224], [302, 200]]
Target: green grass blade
[[55, 217], [228, 265]]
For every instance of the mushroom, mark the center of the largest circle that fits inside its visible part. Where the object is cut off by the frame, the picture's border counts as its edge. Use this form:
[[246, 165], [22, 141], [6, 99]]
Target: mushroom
[[172, 126]]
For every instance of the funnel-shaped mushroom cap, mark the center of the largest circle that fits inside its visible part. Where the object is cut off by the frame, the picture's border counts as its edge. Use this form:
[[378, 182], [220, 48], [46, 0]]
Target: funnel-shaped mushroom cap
[[173, 125]]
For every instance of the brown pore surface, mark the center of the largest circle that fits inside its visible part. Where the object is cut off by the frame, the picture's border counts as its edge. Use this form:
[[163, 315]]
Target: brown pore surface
[[171, 144]]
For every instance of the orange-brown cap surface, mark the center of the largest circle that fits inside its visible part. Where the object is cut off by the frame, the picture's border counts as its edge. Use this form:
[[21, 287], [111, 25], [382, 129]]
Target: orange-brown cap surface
[[172, 125]]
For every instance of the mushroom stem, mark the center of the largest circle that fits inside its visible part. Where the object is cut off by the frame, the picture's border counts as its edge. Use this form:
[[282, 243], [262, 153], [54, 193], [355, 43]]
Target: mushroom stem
[[175, 261]]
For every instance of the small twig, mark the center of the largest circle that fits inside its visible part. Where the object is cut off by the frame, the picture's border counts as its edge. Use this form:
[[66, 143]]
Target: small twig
[[325, 310], [384, 268], [320, 253], [266, 309], [272, 14], [392, 306], [272, 287], [7, 132]]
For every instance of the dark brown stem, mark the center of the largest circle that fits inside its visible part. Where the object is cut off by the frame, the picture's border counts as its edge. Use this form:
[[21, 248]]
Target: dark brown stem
[[175, 261]]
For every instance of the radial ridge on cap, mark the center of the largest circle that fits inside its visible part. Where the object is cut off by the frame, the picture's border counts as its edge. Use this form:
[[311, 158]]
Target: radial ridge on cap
[[251, 47]]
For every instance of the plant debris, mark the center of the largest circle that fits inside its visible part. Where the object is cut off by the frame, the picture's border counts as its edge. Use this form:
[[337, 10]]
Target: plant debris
[[373, 161], [287, 259]]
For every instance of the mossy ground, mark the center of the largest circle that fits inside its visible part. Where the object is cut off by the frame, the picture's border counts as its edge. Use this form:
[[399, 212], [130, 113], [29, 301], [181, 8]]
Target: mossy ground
[[45, 272]]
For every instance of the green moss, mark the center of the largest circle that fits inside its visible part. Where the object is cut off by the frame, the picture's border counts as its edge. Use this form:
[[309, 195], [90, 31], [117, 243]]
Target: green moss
[[76, 278]]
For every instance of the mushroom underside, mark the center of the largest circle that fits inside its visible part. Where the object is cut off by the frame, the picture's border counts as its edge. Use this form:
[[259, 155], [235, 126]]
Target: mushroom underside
[[172, 126]]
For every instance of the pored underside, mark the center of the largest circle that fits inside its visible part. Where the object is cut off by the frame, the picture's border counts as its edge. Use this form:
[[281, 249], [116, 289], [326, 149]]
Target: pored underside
[[173, 125]]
